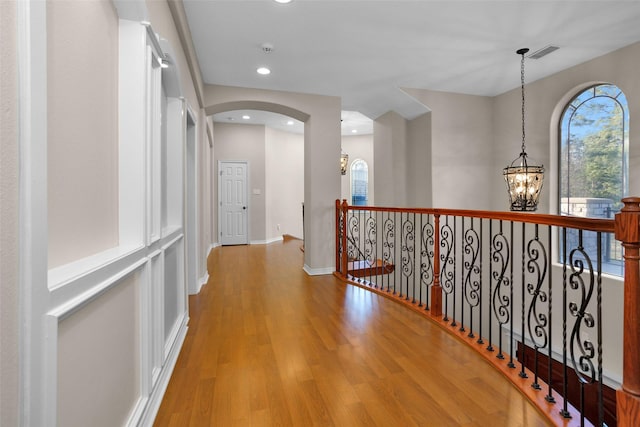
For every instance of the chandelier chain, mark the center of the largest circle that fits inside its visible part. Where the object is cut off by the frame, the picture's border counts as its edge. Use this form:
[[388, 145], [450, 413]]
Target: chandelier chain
[[522, 89]]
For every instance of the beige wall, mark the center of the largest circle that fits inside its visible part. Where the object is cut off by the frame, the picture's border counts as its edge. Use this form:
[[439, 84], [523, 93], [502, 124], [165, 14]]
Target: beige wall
[[390, 154], [9, 290], [321, 115], [98, 358], [82, 143], [284, 183], [419, 162], [461, 137], [281, 188], [358, 147], [245, 142]]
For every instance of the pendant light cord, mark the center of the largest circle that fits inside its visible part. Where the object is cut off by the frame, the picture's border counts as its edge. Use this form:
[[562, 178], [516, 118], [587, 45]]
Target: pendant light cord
[[522, 88]]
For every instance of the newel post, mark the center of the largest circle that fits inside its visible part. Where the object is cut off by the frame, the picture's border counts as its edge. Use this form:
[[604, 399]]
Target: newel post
[[436, 289], [344, 238], [627, 230]]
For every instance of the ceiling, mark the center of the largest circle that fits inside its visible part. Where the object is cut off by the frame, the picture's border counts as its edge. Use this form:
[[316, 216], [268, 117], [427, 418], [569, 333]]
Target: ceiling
[[366, 51]]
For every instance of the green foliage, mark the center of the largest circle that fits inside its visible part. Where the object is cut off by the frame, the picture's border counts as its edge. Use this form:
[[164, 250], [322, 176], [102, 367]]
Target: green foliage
[[595, 151]]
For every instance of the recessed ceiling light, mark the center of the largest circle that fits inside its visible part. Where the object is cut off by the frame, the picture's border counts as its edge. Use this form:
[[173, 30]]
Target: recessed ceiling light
[[264, 71], [290, 122], [354, 131], [283, 1], [245, 117]]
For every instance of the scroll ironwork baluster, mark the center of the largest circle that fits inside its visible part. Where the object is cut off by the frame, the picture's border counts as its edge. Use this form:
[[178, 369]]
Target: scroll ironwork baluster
[[370, 245], [427, 256], [471, 284], [581, 266], [407, 253], [388, 244], [447, 275], [537, 321], [501, 257], [480, 339]]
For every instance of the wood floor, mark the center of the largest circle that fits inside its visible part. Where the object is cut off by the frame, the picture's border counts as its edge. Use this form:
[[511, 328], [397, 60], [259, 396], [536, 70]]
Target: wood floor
[[270, 346]]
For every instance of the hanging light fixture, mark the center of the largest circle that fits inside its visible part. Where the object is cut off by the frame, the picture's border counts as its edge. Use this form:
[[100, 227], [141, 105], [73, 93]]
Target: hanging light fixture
[[524, 181], [344, 161]]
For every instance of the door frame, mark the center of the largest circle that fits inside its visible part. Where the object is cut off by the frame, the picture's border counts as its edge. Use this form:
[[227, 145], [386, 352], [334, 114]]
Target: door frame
[[190, 216], [246, 192]]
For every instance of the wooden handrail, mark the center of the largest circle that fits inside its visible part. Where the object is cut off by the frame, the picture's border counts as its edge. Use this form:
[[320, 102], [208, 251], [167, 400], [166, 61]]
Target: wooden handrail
[[627, 229], [590, 224]]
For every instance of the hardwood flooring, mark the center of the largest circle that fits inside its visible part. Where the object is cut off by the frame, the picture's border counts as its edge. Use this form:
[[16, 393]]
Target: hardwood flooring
[[270, 346]]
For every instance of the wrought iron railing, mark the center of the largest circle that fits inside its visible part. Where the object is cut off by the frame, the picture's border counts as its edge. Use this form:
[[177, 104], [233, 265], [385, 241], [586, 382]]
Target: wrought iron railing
[[492, 278]]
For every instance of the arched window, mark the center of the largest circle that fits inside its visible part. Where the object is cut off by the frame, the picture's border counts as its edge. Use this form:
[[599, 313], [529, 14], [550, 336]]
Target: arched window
[[359, 183], [594, 160]]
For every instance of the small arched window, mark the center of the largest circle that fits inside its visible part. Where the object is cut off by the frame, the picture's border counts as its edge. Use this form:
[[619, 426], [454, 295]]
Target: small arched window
[[594, 160], [359, 182]]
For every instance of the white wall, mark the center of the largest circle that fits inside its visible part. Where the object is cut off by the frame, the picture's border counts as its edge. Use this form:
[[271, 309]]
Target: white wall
[[358, 147], [9, 290], [284, 158], [82, 45], [102, 323]]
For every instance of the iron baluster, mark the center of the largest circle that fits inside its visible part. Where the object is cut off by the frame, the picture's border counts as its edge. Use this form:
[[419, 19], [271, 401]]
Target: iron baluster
[[447, 243], [490, 302], [462, 279], [388, 244], [426, 266], [522, 373], [599, 330], [583, 362], [564, 411], [500, 302], [472, 279], [511, 364], [549, 397], [537, 321], [480, 340], [370, 245]]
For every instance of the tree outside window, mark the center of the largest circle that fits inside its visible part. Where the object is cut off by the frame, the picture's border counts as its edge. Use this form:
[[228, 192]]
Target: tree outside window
[[593, 162]]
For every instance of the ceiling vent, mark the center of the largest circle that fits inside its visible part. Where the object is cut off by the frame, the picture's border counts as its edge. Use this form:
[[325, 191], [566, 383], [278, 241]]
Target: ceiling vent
[[543, 52]]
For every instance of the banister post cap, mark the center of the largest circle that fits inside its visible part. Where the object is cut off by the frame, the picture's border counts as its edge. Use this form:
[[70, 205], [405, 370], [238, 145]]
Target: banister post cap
[[627, 221]]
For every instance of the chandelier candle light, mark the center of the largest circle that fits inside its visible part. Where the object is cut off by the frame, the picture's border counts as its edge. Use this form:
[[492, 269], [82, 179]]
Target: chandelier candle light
[[344, 161], [524, 181]]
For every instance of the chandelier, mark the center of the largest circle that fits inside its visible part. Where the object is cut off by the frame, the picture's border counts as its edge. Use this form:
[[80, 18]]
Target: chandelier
[[524, 180]]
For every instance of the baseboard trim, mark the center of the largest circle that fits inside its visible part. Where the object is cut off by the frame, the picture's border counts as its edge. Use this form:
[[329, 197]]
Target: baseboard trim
[[318, 271], [266, 242], [203, 281], [155, 399]]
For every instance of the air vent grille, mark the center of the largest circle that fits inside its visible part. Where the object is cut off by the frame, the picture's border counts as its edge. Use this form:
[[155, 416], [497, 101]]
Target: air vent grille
[[543, 52]]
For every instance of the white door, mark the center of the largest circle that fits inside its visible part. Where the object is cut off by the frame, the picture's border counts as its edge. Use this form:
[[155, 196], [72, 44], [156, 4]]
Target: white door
[[232, 196]]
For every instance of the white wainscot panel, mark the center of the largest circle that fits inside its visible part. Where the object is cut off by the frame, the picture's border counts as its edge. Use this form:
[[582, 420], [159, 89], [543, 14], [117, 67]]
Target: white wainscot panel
[[98, 356]]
